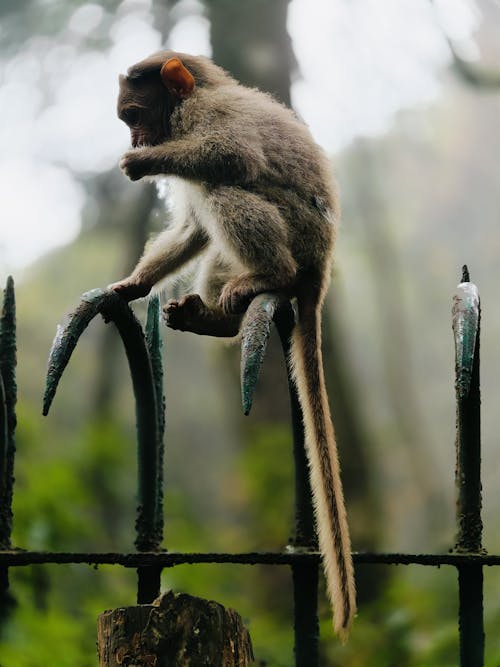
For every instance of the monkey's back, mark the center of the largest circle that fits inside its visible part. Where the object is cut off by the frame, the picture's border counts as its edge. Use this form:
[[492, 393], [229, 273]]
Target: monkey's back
[[286, 166]]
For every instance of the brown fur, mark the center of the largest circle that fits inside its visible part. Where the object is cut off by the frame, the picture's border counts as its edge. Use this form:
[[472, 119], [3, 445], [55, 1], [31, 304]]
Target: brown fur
[[254, 200]]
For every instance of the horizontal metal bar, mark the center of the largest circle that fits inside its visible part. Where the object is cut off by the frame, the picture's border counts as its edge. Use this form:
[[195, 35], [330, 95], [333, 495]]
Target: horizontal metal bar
[[16, 558]]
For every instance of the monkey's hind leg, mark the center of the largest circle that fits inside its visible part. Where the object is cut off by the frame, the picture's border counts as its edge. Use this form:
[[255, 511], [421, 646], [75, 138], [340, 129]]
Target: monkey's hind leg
[[253, 230], [199, 313], [237, 293]]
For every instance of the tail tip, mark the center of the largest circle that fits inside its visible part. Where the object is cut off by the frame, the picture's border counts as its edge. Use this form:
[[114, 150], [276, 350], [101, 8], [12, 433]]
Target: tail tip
[[343, 631]]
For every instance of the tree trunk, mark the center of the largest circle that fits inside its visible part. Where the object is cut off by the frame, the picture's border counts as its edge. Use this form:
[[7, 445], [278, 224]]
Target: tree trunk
[[176, 630], [251, 41]]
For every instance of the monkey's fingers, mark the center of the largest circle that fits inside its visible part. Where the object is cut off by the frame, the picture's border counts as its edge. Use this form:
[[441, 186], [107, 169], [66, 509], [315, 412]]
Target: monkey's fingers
[[134, 165], [170, 310]]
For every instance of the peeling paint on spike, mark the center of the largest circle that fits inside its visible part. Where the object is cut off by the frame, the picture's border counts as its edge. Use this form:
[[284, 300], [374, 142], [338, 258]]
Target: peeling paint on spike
[[154, 344], [66, 338], [255, 332], [466, 314]]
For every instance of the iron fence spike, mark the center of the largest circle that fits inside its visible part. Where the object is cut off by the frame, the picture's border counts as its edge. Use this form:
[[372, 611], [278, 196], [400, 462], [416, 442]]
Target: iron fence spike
[[66, 338], [465, 314], [113, 308], [255, 332]]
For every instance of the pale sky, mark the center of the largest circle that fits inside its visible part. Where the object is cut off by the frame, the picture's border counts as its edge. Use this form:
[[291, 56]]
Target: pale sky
[[360, 66]]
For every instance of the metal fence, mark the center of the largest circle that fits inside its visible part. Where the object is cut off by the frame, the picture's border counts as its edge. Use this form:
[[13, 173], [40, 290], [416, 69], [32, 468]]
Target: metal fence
[[144, 357]]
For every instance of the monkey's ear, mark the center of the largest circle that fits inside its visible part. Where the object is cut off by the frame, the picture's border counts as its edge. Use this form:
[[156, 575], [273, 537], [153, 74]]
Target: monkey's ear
[[177, 78]]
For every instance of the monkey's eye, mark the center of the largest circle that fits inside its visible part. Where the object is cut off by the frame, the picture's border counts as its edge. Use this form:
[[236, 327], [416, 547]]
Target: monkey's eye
[[131, 117]]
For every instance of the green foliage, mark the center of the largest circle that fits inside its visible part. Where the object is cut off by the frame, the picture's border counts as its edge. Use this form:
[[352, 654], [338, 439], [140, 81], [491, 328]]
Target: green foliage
[[68, 496], [266, 476], [57, 607], [79, 494], [412, 623], [260, 492], [49, 638], [49, 494]]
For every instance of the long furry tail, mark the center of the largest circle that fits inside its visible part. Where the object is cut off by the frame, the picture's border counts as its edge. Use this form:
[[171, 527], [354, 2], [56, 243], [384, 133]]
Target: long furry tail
[[333, 531]]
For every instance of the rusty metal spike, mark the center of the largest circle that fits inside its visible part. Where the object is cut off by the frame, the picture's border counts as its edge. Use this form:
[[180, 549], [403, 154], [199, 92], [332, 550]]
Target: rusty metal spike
[[466, 314], [66, 338], [255, 332]]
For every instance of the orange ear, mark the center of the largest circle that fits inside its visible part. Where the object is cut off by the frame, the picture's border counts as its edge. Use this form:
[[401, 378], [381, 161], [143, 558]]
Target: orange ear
[[177, 78]]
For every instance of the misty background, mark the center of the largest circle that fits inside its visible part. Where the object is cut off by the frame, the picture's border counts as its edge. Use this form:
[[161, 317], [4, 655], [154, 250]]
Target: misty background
[[405, 98]]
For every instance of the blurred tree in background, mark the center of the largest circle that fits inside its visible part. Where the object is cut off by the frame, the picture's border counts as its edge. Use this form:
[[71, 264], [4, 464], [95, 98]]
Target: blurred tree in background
[[419, 199]]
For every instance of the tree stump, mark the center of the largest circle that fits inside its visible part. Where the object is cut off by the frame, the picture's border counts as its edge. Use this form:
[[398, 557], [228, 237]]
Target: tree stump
[[176, 630]]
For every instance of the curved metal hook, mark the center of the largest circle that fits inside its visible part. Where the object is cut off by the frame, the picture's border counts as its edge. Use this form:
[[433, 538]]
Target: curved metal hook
[[113, 308], [255, 331], [66, 338]]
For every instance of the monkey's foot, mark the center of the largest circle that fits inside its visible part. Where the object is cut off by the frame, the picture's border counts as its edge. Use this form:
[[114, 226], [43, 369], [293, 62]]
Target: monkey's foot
[[237, 294], [189, 313], [185, 313], [129, 289]]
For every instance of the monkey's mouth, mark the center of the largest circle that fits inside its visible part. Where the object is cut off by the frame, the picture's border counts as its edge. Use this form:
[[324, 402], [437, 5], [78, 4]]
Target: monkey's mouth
[[140, 140]]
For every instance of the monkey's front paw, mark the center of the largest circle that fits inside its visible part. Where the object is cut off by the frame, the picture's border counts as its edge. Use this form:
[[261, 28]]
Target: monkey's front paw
[[135, 164], [130, 289], [185, 313]]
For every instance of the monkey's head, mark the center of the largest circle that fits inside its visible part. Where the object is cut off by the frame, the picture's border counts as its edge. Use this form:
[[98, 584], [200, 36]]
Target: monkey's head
[[150, 92]]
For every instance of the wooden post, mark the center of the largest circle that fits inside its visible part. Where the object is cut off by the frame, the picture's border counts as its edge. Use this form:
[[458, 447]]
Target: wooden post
[[176, 630]]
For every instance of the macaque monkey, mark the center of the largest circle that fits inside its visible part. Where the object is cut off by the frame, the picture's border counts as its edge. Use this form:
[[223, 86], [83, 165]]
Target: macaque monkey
[[253, 200]]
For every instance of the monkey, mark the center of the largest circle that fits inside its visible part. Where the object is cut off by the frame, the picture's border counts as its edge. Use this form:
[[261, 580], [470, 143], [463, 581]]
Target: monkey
[[255, 202]]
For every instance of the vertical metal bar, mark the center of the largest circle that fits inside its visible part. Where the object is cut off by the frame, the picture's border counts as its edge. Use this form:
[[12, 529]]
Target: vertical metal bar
[[154, 345], [8, 399], [471, 626], [466, 328], [115, 309], [4, 448], [305, 575], [8, 362], [149, 578], [147, 423]]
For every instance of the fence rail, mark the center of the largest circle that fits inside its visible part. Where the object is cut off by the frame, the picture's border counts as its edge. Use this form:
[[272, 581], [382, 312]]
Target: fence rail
[[468, 555], [172, 558]]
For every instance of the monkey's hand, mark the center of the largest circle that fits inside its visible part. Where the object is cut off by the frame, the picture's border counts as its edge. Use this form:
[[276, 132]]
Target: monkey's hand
[[137, 163], [130, 289]]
